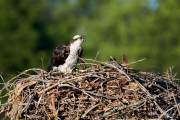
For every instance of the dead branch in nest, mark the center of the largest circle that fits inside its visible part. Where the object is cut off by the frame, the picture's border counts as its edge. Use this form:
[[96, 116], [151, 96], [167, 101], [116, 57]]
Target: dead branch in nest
[[98, 91]]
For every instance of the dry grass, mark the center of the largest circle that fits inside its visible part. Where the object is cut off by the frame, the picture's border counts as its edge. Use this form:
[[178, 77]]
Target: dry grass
[[95, 91]]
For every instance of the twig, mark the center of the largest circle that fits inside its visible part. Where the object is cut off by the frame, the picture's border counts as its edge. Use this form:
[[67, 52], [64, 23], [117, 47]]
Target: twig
[[123, 107], [164, 113], [112, 66], [90, 109], [136, 61], [146, 91], [176, 104]]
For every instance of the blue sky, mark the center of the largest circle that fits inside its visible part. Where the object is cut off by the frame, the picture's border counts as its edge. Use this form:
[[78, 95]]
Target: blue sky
[[153, 4]]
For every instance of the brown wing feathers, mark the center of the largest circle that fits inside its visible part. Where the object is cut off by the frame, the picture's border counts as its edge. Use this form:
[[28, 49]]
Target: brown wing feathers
[[59, 56]]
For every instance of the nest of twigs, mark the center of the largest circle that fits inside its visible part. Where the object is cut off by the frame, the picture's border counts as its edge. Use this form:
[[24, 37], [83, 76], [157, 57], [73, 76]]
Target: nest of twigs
[[95, 91]]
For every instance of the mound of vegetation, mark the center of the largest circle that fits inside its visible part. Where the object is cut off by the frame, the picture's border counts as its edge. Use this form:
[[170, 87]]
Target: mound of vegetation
[[96, 90]]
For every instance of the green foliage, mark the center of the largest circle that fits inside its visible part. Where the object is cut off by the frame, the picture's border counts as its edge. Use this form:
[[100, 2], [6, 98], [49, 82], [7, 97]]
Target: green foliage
[[29, 30], [19, 33]]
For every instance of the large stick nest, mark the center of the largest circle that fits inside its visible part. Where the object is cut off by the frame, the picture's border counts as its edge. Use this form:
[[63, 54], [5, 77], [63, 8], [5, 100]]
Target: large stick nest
[[95, 91]]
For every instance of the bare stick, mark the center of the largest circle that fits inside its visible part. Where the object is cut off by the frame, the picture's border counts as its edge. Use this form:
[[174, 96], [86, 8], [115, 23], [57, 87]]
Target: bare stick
[[164, 113], [90, 109]]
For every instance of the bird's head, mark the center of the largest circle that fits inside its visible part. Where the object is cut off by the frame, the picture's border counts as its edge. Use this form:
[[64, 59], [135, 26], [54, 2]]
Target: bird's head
[[78, 38], [76, 42]]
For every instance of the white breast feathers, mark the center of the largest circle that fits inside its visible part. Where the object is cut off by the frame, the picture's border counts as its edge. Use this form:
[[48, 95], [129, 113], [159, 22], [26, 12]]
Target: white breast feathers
[[71, 60]]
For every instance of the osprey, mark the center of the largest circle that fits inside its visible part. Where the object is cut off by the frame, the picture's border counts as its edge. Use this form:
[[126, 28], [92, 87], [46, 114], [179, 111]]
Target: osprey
[[65, 56]]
